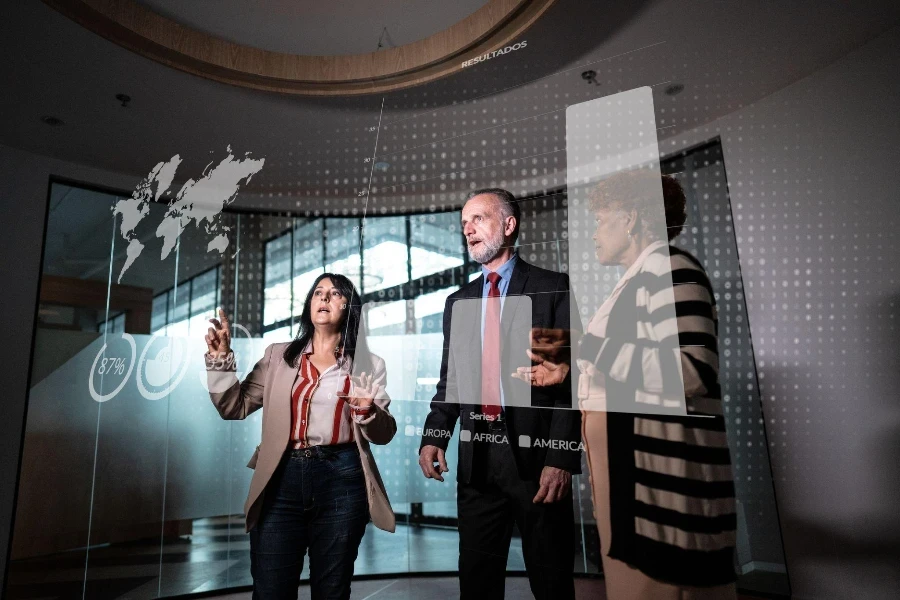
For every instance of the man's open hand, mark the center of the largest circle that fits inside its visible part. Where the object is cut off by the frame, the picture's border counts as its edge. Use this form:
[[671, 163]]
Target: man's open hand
[[555, 485], [428, 456]]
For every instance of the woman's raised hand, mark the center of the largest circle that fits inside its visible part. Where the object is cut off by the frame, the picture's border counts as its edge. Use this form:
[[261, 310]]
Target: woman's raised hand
[[363, 393], [218, 337]]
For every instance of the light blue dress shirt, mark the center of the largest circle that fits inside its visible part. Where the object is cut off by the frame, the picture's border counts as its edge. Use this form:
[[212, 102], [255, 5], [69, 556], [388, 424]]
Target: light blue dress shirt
[[505, 272]]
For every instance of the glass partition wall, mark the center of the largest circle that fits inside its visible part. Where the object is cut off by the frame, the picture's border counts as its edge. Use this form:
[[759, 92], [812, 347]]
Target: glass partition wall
[[132, 484]]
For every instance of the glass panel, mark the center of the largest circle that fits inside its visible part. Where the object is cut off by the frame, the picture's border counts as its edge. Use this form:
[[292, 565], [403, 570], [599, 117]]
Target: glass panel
[[342, 248], [152, 459], [437, 243], [308, 259], [385, 256], [280, 334], [612, 151], [388, 318], [132, 427], [204, 300], [196, 458], [429, 310], [179, 311], [277, 304], [159, 313], [53, 530], [709, 235], [114, 325]]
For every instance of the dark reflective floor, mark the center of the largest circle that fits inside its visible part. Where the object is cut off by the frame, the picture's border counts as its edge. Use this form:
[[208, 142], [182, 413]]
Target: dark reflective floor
[[217, 557], [444, 588], [447, 588]]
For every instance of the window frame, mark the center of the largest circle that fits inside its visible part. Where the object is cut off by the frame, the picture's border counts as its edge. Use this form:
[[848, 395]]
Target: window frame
[[190, 282], [408, 290]]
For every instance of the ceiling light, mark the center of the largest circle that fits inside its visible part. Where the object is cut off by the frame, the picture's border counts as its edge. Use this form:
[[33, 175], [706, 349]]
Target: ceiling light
[[674, 89], [382, 166], [52, 121]]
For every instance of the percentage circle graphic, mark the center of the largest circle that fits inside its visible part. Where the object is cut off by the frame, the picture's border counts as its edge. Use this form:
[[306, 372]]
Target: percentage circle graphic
[[173, 383], [239, 373], [103, 398]]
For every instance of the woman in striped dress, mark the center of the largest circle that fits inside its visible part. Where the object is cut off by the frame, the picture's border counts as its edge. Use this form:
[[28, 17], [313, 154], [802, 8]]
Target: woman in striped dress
[[653, 426]]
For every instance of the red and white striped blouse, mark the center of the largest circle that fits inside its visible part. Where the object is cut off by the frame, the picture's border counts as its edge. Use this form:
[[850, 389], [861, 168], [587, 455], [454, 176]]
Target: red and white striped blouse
[[319, 415]]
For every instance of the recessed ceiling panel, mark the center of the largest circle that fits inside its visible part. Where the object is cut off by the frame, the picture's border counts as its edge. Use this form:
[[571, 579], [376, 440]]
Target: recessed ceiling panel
[[317, 28]]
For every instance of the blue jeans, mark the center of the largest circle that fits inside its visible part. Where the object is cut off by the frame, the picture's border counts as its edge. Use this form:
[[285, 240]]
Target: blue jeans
[[315, 502]]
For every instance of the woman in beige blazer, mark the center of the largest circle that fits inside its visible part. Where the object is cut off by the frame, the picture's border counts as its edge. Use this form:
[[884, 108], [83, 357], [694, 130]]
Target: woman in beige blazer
[[315, 483]]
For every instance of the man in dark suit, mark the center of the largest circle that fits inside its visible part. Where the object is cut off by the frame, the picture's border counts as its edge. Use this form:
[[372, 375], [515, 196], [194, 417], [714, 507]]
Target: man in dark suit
[[519, 446]]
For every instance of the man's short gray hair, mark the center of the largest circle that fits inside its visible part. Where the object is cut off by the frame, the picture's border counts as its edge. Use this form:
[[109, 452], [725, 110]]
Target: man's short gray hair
[[509, 206]]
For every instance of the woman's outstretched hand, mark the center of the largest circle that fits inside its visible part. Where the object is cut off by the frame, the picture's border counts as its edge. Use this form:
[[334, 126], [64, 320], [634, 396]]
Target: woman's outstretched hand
[[218, 337], [363, 393], [551, 353]]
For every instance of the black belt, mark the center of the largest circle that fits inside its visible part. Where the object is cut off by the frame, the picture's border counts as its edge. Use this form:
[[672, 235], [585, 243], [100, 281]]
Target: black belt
[[320, 451]]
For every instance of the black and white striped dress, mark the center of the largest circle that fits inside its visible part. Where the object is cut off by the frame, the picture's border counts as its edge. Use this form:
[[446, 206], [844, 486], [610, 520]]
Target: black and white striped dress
[[670, 484]]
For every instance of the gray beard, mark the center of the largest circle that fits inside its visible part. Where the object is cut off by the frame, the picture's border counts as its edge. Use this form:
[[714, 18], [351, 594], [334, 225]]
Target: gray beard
[[488, 250]]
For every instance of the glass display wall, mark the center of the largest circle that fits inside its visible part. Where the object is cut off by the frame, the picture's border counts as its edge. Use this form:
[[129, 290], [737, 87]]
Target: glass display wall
[[128, 465]]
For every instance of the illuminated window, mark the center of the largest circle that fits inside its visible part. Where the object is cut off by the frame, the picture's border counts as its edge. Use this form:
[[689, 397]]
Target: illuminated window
[[390, 259], [184, 310]]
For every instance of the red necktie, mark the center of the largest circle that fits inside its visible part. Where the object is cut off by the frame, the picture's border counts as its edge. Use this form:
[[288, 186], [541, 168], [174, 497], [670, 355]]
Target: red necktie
[[490, 352]]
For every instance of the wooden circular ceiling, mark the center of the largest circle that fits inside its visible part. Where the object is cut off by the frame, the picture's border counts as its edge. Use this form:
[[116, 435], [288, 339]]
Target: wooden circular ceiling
[[133, 26]]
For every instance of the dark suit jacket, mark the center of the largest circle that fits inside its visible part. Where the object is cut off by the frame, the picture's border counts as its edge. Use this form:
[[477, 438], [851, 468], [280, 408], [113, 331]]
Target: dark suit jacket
[[551, 424]]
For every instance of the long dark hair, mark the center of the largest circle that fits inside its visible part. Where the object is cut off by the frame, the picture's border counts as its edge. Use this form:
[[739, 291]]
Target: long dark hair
[[353, 335]]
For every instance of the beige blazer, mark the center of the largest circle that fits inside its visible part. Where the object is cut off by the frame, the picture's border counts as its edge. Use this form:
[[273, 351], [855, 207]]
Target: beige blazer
[[268, 386]]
